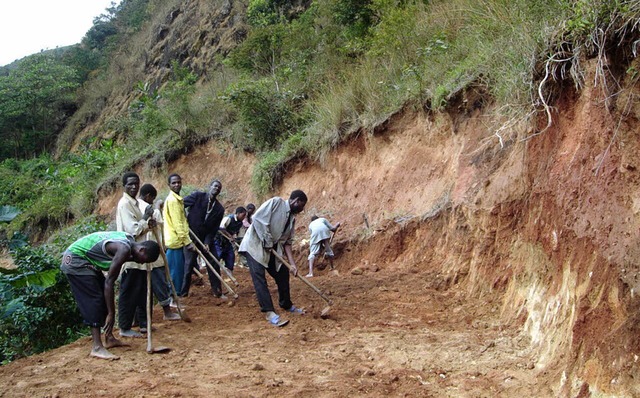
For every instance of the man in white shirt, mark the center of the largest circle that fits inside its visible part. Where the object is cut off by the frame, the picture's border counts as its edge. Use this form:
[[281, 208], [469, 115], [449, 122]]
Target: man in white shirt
[[133, 280], [320, 230]]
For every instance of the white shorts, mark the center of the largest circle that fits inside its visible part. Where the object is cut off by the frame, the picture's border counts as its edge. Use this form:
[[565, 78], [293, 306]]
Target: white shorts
[[315, 248]]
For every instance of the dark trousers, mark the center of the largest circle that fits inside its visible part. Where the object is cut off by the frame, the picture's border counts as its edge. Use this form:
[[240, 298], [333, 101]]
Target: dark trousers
[[225, 252], [88, 290], [160, 286], [191, 261], [132, 300], [281, 277]]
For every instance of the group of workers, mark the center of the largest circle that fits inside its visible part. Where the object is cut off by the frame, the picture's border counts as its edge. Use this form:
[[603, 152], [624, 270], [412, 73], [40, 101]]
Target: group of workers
[[185, 228]]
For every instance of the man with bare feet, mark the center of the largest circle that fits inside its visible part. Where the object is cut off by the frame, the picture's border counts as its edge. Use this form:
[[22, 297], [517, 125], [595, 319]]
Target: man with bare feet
[[272, 228], [133, 280], [320, 230], [84, 262]]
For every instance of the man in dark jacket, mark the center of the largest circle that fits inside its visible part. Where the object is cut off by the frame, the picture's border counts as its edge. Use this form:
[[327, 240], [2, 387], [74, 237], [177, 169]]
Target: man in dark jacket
[[204, 216]]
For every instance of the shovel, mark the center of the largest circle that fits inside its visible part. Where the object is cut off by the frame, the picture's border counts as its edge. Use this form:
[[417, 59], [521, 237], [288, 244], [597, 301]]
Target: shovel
[[325, 311], [181, 312], [150, 348]]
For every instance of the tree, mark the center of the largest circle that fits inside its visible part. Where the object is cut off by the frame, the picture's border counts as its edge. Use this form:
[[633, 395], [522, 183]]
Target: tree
[[35, 100]]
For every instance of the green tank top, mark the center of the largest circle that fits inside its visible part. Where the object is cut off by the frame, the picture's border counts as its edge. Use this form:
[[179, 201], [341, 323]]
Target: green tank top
[[92, 247]]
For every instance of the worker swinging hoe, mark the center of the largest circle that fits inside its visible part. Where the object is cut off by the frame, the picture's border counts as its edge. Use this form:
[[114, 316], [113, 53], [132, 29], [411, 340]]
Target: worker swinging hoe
[[325, 311]]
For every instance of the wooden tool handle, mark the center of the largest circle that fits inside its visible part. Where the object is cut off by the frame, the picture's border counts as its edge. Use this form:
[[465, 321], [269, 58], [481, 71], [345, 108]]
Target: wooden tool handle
[[222, 267], [302, 278], [149, 308], [235, 295]]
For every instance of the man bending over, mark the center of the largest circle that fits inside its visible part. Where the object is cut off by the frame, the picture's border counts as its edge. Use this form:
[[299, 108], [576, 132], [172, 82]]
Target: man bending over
[[84, 262], [320, 230]]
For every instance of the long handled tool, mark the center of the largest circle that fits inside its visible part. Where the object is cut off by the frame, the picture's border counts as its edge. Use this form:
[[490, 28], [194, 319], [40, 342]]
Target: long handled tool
[[198, 272], [222, 267], [235, 295], [325, 310], [150, 348], [333, 235], [181, 311]]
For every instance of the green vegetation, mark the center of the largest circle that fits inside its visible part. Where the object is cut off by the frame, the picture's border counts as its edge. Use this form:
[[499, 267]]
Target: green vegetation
[[35, 100], [50, 193], [303, 80], [37, 310], [353, 63]]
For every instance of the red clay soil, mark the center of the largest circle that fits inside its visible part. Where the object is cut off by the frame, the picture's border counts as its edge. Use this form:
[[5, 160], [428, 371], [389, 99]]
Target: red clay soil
[[472, 263], [398, 325], [391, 332]]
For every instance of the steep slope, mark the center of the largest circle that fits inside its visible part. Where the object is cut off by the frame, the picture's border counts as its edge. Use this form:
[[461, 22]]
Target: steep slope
[[192, 34]]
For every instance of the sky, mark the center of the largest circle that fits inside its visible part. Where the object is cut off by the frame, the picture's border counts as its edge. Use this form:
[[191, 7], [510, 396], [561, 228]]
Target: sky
[[28, 26]]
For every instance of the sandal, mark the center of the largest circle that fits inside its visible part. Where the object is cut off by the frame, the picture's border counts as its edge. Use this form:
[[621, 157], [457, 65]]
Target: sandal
[[296, 310], [276, 321]]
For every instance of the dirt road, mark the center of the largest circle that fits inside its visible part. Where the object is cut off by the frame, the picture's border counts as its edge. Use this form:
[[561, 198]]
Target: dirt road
[[389, 333]]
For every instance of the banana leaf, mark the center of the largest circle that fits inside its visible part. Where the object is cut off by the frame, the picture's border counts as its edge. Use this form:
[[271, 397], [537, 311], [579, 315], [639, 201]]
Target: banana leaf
[[8, 213]]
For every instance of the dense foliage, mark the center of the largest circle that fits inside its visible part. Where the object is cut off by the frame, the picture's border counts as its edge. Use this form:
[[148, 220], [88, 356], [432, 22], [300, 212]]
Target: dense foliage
[[37, 310], [35, 100], [50, 193], [40, 92]]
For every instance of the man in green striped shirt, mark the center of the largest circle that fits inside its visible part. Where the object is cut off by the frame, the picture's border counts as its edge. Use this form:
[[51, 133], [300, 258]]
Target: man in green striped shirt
[[85, 264]]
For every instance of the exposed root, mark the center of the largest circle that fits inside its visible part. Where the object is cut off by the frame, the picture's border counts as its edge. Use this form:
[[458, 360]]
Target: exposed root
[[547, 74]]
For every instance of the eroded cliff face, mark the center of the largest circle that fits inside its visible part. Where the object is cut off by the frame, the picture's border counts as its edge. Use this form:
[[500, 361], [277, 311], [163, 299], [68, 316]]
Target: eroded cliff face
[[548, 222]]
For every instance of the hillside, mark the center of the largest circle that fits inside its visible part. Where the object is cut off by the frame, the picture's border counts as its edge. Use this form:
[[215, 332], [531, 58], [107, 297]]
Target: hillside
[[480, 275], [481, 255]]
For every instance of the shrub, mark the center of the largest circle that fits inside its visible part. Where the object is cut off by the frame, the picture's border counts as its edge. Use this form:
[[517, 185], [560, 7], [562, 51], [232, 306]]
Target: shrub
[[272, 166], [266, 114], [37, 309], [356, 15], [50, 192], [261, 52], [62, 238], [262, 13]]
